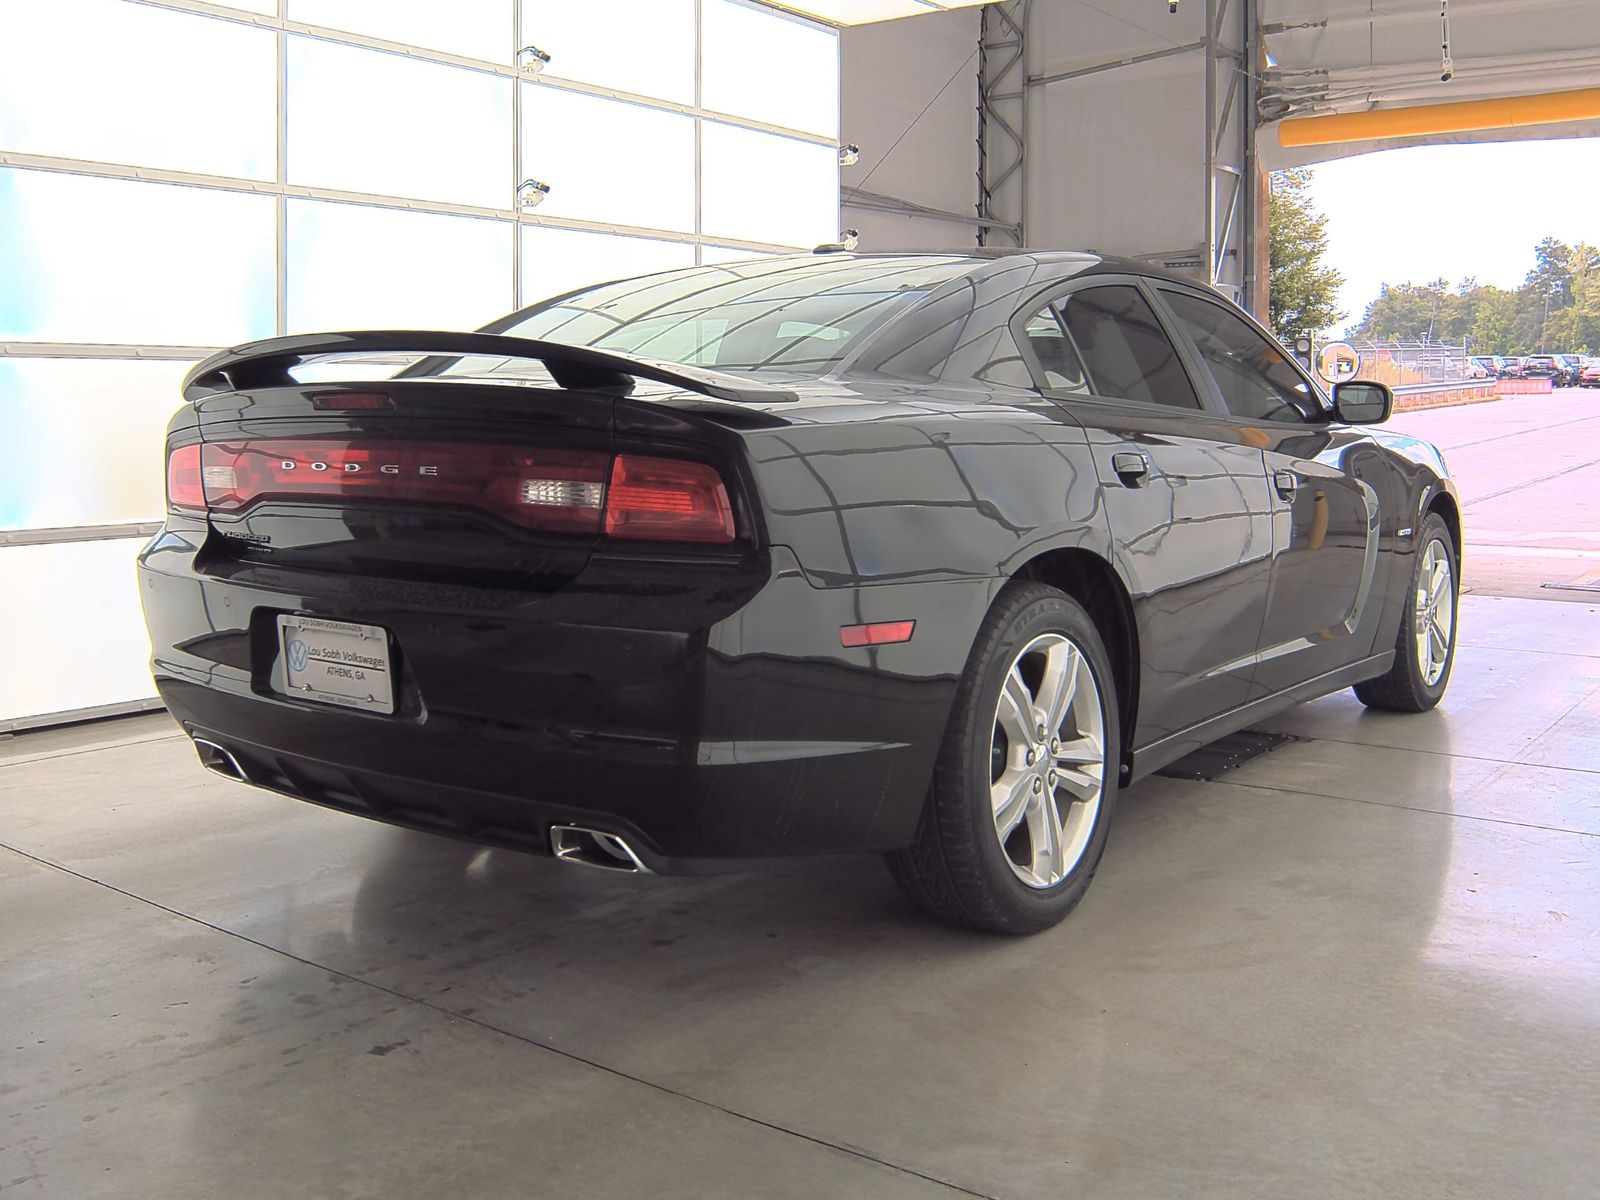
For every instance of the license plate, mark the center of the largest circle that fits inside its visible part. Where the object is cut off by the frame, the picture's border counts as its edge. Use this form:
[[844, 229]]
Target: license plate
[[337, 662]]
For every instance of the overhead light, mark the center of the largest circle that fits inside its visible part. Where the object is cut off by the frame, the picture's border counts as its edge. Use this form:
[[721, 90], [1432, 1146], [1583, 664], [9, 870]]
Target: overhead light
[[531, 193], [849, 238], [531, 60], [849, 154]]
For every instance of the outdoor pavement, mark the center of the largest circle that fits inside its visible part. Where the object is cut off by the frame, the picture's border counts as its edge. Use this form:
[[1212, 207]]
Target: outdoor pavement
[[1529, 470]]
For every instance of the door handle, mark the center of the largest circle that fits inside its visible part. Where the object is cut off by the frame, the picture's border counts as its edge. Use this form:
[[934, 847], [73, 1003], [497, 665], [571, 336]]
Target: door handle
[[1285, 482], [1132, 467]]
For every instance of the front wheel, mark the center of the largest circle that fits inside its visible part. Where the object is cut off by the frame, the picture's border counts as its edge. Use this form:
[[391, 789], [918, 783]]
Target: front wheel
[[1425, 651], [1026, 780]]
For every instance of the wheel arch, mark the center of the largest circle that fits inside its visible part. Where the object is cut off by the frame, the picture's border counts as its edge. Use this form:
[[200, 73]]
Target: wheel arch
[[1094, 583], [1449, 511]]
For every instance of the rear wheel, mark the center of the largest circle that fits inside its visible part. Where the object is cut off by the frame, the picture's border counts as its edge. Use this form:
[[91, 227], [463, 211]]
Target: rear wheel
[[1025, 784], [1425, 651]]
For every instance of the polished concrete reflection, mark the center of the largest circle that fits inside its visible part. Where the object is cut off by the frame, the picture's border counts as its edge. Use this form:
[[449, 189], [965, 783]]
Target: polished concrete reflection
[[1366, 964]]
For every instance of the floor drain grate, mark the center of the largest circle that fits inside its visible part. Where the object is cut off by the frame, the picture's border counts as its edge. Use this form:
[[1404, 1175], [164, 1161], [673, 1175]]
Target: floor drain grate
[[1572, 587], [1224, 754]]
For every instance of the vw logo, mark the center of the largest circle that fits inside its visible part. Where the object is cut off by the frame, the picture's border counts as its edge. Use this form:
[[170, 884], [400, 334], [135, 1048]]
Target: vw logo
[[298, 654]]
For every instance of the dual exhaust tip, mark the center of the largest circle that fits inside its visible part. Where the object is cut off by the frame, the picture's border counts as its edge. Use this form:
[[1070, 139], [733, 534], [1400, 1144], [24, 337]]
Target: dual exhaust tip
[[569, 843], [595, 848], [219, 760]]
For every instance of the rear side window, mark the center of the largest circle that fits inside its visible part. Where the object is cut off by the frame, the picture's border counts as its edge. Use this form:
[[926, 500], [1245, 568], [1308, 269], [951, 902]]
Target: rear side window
[[1056, 355], [1124, 352]]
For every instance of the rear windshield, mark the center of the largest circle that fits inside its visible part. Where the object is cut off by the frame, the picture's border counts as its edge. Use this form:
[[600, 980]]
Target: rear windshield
[[798, 316]]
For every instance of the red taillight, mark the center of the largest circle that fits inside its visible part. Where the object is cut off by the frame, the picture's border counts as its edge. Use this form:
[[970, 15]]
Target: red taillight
[[555, 490], [183, 479], [669, 500]]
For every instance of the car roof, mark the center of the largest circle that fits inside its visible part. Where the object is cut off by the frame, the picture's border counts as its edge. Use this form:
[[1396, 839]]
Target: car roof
[[1065, 261]]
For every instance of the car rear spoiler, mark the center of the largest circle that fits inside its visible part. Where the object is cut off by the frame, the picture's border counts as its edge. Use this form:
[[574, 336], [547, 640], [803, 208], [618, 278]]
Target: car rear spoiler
[[267, 363]]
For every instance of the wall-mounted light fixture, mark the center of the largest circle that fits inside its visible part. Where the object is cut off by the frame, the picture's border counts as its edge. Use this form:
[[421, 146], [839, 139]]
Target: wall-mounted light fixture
[[531, 60], [849, 154], [531, 193]]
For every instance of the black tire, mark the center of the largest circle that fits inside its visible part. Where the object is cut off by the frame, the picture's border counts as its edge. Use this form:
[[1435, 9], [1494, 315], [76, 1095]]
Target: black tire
[[956, 869], [1405, 688]]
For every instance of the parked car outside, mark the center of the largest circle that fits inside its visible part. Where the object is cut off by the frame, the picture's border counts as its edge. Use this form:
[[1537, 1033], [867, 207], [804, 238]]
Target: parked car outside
[[1572, 365], [1544, 366], [926, 555], [1589, 376]]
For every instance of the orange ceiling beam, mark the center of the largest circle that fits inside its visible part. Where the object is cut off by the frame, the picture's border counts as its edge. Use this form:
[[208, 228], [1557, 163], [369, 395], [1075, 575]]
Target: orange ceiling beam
[[1464, 116]]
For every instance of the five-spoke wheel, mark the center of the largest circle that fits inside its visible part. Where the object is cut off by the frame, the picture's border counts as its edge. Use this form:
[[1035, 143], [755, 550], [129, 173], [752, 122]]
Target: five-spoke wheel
[[1048, 760], [1027, 777]]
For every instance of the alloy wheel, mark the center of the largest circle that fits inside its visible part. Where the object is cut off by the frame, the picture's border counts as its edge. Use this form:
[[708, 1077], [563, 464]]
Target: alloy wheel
[[1434, 608], [1048, 764]]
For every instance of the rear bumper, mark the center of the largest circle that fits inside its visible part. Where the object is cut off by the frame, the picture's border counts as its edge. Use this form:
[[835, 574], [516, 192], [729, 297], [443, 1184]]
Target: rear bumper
[[709, 724]]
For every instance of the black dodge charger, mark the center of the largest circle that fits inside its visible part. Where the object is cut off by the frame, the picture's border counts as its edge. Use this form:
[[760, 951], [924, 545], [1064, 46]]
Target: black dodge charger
[[922, 554]]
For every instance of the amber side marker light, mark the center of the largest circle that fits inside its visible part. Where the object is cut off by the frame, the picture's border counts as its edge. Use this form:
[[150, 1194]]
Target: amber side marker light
[[881, 634]]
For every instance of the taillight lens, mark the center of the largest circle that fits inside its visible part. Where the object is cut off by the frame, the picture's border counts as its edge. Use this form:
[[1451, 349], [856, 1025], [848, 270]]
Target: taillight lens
[[667, 500], [184, 488], [559, 491]]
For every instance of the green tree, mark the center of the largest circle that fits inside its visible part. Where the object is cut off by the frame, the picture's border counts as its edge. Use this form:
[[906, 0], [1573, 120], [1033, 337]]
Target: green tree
[[1494, 323], [1557, 309], [1304, 289], [1575, 328], [1402, 313]]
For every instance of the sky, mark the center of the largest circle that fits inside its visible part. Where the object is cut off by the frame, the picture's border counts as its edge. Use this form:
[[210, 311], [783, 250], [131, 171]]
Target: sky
[[1414, 215]]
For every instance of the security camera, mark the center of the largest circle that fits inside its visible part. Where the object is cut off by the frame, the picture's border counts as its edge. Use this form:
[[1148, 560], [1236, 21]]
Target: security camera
[[1172, 6], [531, 193], [1447, 70], [531, 60]]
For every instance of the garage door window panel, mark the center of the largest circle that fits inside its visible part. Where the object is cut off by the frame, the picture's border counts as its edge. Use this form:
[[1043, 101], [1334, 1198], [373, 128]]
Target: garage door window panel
[[741, 199], [640, 46], [83, 440], [368, 121], [162, 62], [84, 259], [471, 28], [607, 160], [769, 67], [344, 272]]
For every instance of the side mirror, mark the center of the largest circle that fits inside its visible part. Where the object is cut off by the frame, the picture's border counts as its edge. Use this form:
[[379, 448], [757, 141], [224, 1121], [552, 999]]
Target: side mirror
[[1359, 402]]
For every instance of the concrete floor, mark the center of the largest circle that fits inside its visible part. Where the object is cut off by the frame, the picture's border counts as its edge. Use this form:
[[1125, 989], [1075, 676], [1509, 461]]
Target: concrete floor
[[1365, 965]]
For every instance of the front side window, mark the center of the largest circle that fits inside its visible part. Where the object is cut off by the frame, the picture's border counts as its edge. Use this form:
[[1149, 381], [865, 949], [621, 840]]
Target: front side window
[[1256, 379]]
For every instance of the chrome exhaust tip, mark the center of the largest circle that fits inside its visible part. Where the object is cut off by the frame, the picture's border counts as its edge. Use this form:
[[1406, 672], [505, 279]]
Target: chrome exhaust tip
[[219, 761], [595, 848]]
